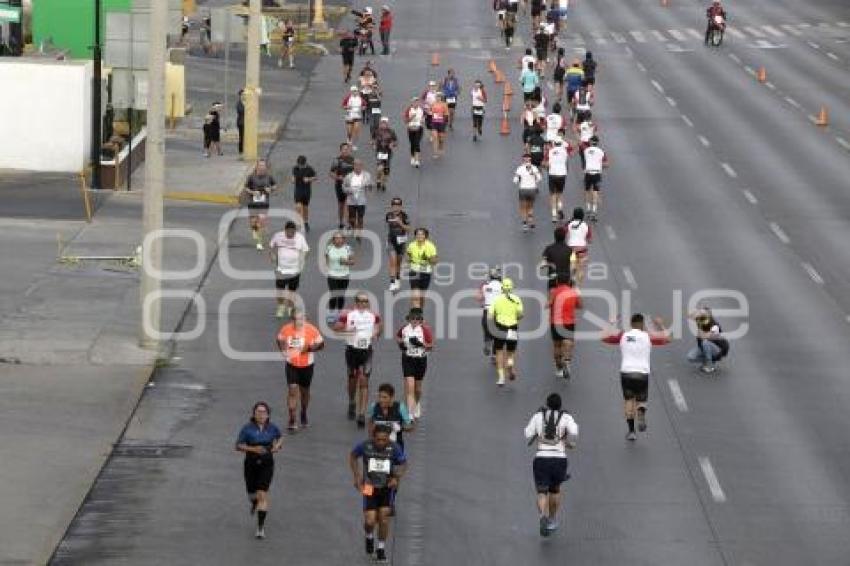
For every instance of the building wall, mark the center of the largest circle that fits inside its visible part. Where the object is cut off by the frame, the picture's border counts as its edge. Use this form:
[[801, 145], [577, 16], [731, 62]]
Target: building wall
[[47, 122], [70, 23]]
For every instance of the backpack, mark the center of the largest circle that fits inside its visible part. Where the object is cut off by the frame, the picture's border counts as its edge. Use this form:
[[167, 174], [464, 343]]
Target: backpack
[[550, 426]]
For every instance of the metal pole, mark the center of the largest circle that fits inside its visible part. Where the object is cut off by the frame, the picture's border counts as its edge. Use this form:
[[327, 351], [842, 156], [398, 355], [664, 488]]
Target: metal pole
[[229, 17], [96, 125], [131, 104], [252, 83], [154, 175]]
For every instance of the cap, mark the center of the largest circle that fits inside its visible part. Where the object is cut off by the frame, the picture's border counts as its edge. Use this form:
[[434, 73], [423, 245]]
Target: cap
[[353, 88], [385, 8], [384, 119], [368, 9], [507, 284], [432, 83]]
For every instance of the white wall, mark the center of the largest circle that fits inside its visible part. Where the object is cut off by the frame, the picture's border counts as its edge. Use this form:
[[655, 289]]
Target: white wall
[[45, 115]]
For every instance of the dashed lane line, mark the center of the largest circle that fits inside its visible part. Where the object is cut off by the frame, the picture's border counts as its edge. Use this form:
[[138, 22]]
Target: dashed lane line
[[704, 141], [678, 396], [711, 479], [813, 273], [750, 196], [612, 235], [729, 171], [687, 121], [780, 233], [630, 277]]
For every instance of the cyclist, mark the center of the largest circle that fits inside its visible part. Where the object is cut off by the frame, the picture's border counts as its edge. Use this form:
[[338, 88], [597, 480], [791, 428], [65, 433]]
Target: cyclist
[[361, 326], [594, 161], [579, 235], [563, 302], [398, 226], [712, 14], [527, 176], [557, 158], [451, 91], [353, 104], [297, 341], [385, 142], [488, 292], [504, 315], [383, 465], [421, 258], [258, 188], [635, 349], [711, 345], [415, 340], [555, 431], [287, 249], [479, 101], [388, 412], [259, 440]]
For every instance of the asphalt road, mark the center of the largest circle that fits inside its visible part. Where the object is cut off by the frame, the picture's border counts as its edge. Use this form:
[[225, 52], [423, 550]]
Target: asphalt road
[[726, 186]]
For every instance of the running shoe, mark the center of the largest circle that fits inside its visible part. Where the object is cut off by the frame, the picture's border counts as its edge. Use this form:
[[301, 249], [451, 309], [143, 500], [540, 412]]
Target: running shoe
[[260, 534], [381, 556], [370, 545], [631, 436]]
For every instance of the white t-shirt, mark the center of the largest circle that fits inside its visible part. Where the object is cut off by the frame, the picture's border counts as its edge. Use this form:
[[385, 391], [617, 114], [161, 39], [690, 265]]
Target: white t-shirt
[[558, 156], [585, 131], [354, 186], [430, 98], [415, 116], [577, 233], [422, 332], [554, 122], [354, 107], [489, 291], [478, 97], [527, 176], [593, 157], [565, 429], [290, 252], [526, 59], [635, 349], [360, 326]]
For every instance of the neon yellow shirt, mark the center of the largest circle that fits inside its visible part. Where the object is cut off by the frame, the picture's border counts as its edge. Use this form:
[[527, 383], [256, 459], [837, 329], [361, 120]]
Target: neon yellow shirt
[[506, 310], [420, 254]]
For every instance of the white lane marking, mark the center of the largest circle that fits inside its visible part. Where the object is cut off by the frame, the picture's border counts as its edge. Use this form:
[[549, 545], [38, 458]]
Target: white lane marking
[[750, 70], [842, 24], [770, 85], [735, 58], [618, 37], [597, 36], [454, 44], [750, 197], [189, 386], [694, 33], [780, 233], [754, 31], [791, 29], [792, 102], [813, 273], [687, 121], [704, 141], [658, 35], [735, 32], [711, 479], [843, 143], [630, 277], [678, 397], [641, 67], [657, 86], [813, 45], [475, 44], [629, 51], [638, 36], [671, 102], [833, 56], [729, 171], [773, 31], [806, 26], [610, 231], [677, 35]]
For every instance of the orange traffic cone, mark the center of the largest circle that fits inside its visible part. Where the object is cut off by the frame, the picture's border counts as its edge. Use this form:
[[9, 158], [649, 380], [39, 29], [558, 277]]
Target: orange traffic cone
[[435, 59], [506, 104], [664, 2], [508, 89], [505, 128], [500, 77], [761, 75], [823, 119], [492, 67]]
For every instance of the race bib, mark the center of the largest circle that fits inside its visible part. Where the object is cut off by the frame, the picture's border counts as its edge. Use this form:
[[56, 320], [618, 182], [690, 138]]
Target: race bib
[[512, 335], [476, 111], [401, 239], [378, 466], [362, 343], [376, 110], [451, 100], [296, 343], [258, 197], [415, 351], [383, 156]]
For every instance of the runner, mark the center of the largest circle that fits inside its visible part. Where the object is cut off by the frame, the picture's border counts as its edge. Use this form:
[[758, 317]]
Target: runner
[[554, 123], [579, 235], [582, 103], [355, 186], [361, 326], [557, 158], [415, 340], [258, 188], [509, 25], [339, 258], [594, 160], [385, 143], [451, 91], [563, 302], [398, 227], [488, 292], [259, 439], [421, 259], [585, 130], [340, 168], [429, 97], [297, 340], [574, 76], [541, 47], [287, 49], [555, 431], [414, 117], [439, 119], [556, 258], [371, 93], [289, 249], [589, 68], [383, 465], [347, 48], [559, 73], [530, 82], [535, 146], [635, 349], [303, 176], [527, 176], [386, 411], [353, 104], [479, 101], [504, 315]]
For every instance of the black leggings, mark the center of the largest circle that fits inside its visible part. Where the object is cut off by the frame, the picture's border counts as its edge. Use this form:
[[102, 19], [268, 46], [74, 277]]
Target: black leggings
[[337, 287], [415, 137], [477, 121]]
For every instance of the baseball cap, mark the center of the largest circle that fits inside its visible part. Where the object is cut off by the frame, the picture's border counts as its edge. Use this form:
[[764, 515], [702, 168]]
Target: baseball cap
[[353, 88]]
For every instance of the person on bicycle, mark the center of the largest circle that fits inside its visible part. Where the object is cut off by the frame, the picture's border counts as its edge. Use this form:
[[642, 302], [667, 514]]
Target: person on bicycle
[[714, 11]]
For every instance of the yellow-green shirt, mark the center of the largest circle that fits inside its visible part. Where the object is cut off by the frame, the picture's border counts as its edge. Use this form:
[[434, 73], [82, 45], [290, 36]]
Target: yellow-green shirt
[[420, 254], [506, 310]]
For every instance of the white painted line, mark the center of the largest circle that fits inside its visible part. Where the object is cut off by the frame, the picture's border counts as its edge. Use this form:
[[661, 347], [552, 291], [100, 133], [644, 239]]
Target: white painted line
[[735, 58], [770, 85], [610, 231], [671, 102], [694, 33], [704, 141], [639, 37], [773, 31], [618, 37], [189, 386], [677, 35], [711, 479], [750, 70], [805, 26], [475, 44], [735, 32], [729, 171], [813, 45], [843, 143], [678, 397], [658, 35], [630, 277], [754, 31], [629, 51], [454, 44], [750, 197], [641, 67], [687, 121], [833, 56], [780, 233], [597, 36], [842, 24], [657, 86], [813, 273], [792, 102], [791, 29]]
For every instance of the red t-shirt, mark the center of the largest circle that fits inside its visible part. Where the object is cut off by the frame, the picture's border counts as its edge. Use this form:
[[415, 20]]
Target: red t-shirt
[[563, 301]]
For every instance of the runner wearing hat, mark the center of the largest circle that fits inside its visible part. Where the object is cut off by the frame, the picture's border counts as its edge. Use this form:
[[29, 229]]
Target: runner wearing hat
[[353, 104], [385, 142]]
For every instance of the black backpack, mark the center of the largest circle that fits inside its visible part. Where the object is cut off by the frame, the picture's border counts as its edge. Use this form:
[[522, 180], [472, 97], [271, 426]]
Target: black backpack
[[550, 425]]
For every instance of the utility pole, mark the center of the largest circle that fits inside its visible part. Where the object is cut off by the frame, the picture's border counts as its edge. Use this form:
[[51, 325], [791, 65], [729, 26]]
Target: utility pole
[[252, 83], [96, 124], [318, 22], [154, 174]]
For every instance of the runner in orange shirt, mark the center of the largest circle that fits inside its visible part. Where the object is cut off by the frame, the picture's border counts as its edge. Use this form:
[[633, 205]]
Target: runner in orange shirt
[[563, 302], [297, 340]]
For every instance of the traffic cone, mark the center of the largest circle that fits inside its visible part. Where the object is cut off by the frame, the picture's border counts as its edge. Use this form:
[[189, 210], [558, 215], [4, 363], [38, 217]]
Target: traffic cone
[[435, 59], [506, 104], [492, 68], [508, 89], [664, 3], [505, 128], [762, 75], [823, 119], [499, 78]]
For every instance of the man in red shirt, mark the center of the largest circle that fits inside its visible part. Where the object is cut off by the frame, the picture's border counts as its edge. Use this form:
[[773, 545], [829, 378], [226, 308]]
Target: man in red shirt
[[563, 302], [385, 26]]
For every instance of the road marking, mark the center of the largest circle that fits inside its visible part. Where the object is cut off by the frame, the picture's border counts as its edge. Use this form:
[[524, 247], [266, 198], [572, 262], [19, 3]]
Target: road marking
[[638, 36], [610, 231], [704, 141], [711, 479], [671, 102], [750, 70], [630, 277], [813, 119], [677, 35], [735, 58], [657, 86], [687, 121], [780, 233], [813, 273], [729, 171], [678, 397], [629, 51], [833, 56], [750, 197], [735, 32], [597, 36], [694, 33], [792, 102], [476, 44], [843, 143], [658, 35], [773, 31], [754, 31], [813, 45], [791, 29], [770, 85], [842, 24], [641, 67], [618, 37]]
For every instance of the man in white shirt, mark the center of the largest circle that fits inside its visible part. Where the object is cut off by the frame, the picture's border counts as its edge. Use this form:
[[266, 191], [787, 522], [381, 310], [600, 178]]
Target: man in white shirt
[[288, 249], [556, 159], [554, 431], [527, 176], [361, 326], [355, 185], [594, 160], [487, 293], [635, 349]]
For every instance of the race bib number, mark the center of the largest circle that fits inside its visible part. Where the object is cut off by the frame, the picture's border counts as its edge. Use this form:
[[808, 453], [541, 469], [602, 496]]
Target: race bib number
[[383, 156], [401, 239], [362, 343], [376, 110], [451, 100], [296, 343], [378, 466], [478, 111], [415, 351], [258, 197], [512, 335]]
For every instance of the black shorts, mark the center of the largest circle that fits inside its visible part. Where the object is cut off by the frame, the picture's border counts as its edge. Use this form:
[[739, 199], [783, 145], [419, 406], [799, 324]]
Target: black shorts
[[562, 331], [395, 247], [256, 210], [591, 181], [348, 59], [635, 386], [414, 367], [549, 474], [340, 195], [356, 211], [500, 339], [287, 283], [428, 124], [527, 195], [356, 358], [380, 498], [302, 196], [588, 81], [420, 281], [438, 126], [583, 115], [557, 183], [485, 326], [536, 9], [258, 472], [452, 105], [301, 377], [558, 75]]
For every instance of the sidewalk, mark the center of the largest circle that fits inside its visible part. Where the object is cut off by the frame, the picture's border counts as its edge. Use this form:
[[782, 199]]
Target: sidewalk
[[71, 371]]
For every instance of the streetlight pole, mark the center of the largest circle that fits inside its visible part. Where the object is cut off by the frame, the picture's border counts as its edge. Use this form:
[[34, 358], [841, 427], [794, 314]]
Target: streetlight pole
[[150, 284], [96, 126], [252, 83]]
